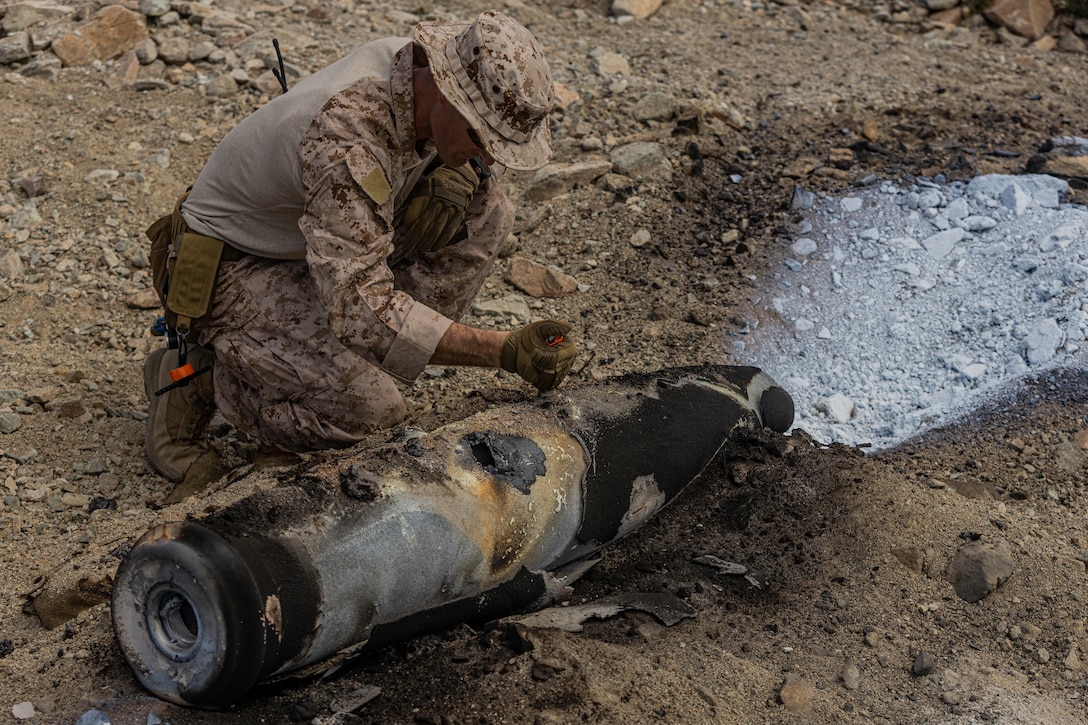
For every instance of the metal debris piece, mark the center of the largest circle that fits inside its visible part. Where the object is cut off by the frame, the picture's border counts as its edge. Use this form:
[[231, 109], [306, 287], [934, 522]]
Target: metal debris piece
[[755, 578]]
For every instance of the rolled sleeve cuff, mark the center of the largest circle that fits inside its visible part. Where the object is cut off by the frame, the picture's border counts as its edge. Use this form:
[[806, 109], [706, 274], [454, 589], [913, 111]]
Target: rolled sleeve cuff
[[414, 345]]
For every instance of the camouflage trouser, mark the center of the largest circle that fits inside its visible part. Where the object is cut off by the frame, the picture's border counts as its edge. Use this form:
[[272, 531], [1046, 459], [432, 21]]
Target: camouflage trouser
[[282, 376]]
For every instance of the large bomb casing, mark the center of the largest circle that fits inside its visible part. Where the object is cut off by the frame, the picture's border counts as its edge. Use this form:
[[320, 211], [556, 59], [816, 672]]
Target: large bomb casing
[[466, 523]]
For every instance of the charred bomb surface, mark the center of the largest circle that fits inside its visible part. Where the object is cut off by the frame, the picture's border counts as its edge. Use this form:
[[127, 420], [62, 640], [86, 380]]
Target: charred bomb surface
[[471, 522]]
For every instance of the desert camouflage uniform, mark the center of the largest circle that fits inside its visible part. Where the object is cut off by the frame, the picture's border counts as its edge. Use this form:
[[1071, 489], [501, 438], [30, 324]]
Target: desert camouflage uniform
[[307, 343]]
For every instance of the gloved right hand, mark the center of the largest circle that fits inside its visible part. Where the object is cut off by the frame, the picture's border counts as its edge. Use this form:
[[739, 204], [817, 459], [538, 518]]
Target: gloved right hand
[[542, 353]]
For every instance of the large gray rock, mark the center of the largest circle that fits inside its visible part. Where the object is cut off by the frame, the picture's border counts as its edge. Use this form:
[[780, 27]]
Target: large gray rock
[[15, 47], [23, 15], [635, 8], [555, 179], [979, 568], [155, 8], [11, 266], [641, 159], [512, 306], [655, 106]]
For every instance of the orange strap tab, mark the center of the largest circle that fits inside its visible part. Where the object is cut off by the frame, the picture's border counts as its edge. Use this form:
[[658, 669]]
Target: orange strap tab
[[185, 371]]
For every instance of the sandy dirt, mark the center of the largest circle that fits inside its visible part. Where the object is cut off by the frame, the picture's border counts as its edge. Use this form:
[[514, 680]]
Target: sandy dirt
[[857, 620]]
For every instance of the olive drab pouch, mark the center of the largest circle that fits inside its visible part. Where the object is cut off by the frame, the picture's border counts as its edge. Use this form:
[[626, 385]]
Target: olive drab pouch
[[192, 279], [184, 268]]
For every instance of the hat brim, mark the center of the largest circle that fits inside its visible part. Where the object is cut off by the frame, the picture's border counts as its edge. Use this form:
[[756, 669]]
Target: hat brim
[[527, 156]]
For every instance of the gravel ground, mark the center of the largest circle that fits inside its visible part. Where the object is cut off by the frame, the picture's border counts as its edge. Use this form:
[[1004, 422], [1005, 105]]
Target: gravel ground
[[859, 620]]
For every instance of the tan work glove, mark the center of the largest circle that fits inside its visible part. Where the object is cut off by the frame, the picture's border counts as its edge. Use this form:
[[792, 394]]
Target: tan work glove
[[542, 353], [436, 208]]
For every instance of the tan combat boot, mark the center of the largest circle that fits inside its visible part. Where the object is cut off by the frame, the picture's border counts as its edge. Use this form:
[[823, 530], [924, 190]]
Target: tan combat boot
[[178, 416]]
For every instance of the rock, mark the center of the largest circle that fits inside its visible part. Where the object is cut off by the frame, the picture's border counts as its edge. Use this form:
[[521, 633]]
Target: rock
[[42, 395], [651, 630], [979, 568], [951, 17], [555, 179], [10, 422], [545, 669], [1042, 343], [640, 238], [565, 96], [610, 64], [23, 711], [20, 16], [221, 86], [513, 306], [941, 4], [923, 664], [11, 265], [796, 694], [154, 8], [838, 407], [536, 280], [1071, 44], [801, 167], [114, 31], [1072, 660], [1069, 167], [803, 247], [15, 47], [73, 50], [31, 185], [802, 199], [637, 9], [841, 158], [1027, 18], [72, 409], [146, 299], [1070, 457], [617, 184], [910, 557], [655, 106], [850, 675], [641, 159], [93, 717], [175, 51], [941, 244]]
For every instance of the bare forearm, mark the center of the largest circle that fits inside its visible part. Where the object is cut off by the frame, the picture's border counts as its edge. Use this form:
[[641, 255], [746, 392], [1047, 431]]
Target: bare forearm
[[464, 345]]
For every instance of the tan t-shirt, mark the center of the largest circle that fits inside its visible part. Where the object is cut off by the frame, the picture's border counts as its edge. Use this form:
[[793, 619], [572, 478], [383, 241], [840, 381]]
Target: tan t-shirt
[[318, 174]]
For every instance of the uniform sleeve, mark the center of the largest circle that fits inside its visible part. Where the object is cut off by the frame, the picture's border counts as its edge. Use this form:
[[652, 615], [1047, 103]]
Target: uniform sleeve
[[347, 159]]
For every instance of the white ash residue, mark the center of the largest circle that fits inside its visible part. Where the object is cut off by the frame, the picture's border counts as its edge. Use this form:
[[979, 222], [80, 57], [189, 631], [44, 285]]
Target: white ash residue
[[898, 308]]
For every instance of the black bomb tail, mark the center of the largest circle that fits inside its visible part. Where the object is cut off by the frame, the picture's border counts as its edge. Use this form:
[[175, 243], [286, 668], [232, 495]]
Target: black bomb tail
[[468, 523]]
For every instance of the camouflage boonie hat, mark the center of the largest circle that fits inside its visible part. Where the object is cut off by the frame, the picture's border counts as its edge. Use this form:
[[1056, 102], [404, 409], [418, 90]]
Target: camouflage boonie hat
[[494, 73]]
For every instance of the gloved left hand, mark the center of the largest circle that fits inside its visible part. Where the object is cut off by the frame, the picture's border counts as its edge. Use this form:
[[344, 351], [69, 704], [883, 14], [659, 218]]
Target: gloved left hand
[[437, 207], [542, 353]]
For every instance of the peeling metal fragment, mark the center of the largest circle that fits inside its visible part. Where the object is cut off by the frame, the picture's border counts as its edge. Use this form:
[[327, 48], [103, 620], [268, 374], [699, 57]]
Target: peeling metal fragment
[[756, 578], [667, 608]]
